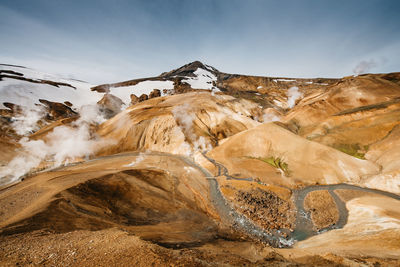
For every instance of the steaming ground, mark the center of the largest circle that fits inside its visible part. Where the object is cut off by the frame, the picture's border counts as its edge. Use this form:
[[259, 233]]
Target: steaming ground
[[62, 145], [209, 169], [293, 95], [184, 118], [26, 122]]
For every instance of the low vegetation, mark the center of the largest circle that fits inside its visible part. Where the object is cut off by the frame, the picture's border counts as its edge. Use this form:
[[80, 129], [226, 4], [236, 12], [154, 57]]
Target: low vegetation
[[355, 150], [277, 163]]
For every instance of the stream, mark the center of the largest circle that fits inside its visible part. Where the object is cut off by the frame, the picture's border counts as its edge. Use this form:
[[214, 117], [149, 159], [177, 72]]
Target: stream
[[304, 227], [281, 238]]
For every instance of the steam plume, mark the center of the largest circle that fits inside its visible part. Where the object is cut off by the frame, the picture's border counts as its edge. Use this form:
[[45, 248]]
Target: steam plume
[[26, 121], [293, 95], [62, 145], [364, 66], [185, 118]]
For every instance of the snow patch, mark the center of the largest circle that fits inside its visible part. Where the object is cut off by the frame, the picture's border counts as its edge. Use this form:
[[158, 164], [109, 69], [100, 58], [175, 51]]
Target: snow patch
[[27, 94], [203, 80], [284, 80], [269, 117], [138, 159], [210, 67]]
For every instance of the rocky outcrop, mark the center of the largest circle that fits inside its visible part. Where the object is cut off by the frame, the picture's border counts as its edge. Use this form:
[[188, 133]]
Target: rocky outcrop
[[155, 93], [266, 209], [57, 110], [15, 109], [188, 70], [181, 87], [134, 99], [110, 105], [322, 207], [143, 97]]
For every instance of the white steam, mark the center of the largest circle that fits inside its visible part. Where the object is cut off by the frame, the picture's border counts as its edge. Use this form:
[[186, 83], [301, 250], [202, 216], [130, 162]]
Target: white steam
[[364, 66], [185, 118], [61, 146], [90, 114], [26, 121], [269, 117], [293, 94]]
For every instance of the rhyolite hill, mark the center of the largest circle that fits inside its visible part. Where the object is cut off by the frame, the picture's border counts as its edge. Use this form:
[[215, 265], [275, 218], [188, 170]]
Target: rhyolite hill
[[199, 167]]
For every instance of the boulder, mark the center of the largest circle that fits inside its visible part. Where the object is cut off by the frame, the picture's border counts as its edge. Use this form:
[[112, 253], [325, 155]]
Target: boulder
[[155, 93], [143, 97]]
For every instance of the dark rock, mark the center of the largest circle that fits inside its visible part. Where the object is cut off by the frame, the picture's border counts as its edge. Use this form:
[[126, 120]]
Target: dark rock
[[134, 99], [110, 105], [155, 93], [13, 107], [143, 97], [188, 70], [11, 72], [57, 110], [103, 88]]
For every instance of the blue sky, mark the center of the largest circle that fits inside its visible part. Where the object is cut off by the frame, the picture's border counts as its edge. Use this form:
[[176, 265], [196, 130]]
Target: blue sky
[[107, 41]]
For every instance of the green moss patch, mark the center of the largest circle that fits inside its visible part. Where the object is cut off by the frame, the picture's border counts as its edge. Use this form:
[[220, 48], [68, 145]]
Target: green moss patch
[[277, 163], [355, 150]]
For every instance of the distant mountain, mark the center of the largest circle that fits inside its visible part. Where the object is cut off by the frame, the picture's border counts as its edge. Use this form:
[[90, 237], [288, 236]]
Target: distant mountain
[[199, 76]]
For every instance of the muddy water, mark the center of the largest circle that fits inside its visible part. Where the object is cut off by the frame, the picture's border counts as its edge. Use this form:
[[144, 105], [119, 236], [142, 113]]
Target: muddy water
[[304, 225], [222, 170], [228, 214]]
